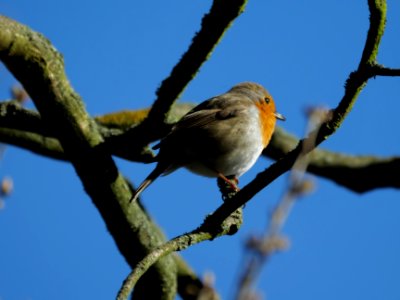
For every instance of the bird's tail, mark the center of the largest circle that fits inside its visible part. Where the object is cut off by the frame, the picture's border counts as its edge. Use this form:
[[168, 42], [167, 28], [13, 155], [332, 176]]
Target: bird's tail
[[149, 179]]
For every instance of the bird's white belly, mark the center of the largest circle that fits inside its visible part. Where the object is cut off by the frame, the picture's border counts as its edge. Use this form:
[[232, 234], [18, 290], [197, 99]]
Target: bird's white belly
[[240, 157]]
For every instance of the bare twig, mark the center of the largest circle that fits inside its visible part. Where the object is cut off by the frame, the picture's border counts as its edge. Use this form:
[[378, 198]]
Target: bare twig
[[379, 70]]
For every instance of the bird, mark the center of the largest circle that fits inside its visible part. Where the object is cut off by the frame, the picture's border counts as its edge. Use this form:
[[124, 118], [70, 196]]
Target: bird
[[221, 137]]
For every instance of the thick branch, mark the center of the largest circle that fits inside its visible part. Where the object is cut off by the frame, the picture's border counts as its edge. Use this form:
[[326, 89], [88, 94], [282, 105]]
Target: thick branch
[[14, 115], [361, 173], [39, 68], [33, 135], [39, 144]]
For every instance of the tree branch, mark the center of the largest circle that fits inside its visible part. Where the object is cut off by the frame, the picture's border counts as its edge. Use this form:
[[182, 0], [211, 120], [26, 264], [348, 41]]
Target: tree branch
[[203, 233], [213, 27], [372, 172], [383, 71], [354, 84], [173, 245], [39, 144], [39, 68], [24, 128]]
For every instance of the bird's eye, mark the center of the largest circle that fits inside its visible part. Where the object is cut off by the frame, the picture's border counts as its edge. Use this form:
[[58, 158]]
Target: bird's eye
[[267, 100]]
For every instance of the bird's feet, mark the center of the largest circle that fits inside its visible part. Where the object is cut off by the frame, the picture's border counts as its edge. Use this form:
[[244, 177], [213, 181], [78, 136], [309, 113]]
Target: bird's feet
[[232, 181], [228, 186]]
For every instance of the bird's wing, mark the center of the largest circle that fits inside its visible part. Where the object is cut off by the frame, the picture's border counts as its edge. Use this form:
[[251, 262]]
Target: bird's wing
[[197, 119], [205, 114]]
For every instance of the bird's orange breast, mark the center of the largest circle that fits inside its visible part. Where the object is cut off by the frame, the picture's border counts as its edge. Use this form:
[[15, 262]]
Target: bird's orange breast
[[267, 121]]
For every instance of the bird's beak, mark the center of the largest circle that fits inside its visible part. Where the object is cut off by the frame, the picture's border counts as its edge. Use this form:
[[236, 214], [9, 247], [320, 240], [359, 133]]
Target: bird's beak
[[279, 116]]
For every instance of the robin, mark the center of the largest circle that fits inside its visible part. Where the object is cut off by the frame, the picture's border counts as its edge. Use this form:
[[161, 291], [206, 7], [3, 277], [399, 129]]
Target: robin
[[221, 137]]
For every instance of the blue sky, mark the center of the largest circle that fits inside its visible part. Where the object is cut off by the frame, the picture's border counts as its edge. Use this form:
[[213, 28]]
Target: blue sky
[[343, 245]]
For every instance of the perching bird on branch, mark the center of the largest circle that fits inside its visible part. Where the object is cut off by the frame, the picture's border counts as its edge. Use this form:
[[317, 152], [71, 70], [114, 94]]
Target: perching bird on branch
[[221, 137]]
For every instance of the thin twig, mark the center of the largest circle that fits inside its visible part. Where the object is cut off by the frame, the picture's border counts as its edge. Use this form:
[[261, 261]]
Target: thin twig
[[380, 70]]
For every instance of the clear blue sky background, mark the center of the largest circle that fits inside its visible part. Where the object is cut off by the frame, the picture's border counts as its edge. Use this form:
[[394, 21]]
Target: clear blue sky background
[[53, 243]]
